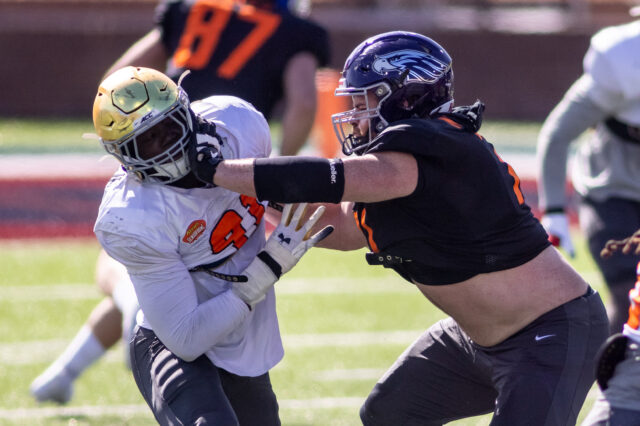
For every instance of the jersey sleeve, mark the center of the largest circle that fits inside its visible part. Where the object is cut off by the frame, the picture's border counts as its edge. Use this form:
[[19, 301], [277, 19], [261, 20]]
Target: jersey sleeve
[[244, 130], [167, 294], [311, 37], [164, 21]]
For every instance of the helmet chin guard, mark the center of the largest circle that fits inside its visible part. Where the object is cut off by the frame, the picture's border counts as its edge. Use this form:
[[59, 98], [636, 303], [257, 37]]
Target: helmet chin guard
[[410, 75], [143, 119]]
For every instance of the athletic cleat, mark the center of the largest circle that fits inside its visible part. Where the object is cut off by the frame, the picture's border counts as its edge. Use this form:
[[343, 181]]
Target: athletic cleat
[[52, 385]]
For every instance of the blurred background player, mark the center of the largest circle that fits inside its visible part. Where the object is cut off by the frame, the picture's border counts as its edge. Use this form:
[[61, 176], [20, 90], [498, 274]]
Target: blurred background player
[[256, 50], [618, 370], [606, 170]]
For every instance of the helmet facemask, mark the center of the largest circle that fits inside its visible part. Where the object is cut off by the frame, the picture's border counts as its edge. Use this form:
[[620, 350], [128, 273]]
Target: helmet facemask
[[344, 122], [167, 166], [410, 75], [144, 121]]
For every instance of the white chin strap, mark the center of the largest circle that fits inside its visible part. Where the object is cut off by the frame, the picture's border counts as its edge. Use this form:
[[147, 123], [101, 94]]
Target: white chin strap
[[445, 107], [173, 170]]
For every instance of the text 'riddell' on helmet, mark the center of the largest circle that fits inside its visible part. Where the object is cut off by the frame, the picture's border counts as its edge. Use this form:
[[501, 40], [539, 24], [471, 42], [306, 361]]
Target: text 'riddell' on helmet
[[142, 118], [410, 74]]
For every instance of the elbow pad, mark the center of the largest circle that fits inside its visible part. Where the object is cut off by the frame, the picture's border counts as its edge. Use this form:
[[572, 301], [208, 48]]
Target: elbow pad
[[299, 179]]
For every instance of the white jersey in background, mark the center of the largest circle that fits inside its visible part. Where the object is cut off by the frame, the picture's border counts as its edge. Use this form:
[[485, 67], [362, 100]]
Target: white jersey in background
[[609, 88], [161, 233]]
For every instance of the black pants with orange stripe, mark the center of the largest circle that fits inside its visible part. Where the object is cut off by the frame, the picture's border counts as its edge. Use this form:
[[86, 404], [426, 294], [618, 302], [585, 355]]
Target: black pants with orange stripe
[[198, 393], [539, 376]]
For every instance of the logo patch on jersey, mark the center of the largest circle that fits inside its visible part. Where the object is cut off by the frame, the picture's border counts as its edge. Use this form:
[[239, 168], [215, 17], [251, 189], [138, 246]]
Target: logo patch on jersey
[[194, 231], [421, 65]]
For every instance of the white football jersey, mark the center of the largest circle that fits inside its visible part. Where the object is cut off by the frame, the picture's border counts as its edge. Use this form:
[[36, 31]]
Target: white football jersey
[[162, 233], [608, 166], [613, 62]]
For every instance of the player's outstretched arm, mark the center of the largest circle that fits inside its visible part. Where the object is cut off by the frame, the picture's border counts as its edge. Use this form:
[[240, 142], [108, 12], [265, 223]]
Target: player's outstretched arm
[[287, 244]]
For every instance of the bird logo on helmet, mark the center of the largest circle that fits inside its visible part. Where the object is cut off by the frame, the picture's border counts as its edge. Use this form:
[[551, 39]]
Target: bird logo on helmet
[[143, 119], [411, 76]]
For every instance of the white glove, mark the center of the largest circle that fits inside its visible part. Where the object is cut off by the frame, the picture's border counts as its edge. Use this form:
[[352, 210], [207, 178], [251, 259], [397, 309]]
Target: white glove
[[286, 245], [557, 226]]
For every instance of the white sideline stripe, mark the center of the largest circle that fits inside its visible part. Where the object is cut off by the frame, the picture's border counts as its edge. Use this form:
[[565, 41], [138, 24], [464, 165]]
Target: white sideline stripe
[[346, 374], [133, 409], [43, 351], [83, 291]]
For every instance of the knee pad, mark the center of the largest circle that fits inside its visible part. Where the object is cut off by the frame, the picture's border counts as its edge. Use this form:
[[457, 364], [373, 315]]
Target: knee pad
[[610, 354]]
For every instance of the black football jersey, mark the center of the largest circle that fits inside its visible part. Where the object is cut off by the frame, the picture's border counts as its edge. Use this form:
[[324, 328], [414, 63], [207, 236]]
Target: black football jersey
[[235, 49], [466, 216]]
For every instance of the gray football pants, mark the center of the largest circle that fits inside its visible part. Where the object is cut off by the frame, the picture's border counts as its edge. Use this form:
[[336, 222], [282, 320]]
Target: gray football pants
[[539, 376], [198, 392]]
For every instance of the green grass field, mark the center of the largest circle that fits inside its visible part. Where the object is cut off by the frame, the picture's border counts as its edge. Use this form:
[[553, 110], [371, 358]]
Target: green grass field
[[343, 323]]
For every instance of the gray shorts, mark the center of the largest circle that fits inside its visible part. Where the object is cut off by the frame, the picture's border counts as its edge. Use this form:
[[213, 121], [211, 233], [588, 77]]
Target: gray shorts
[[539, 376], [619, 404], [198, 392]]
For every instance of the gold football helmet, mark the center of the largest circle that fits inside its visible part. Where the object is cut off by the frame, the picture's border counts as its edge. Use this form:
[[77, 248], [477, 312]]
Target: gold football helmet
[[142, 118]]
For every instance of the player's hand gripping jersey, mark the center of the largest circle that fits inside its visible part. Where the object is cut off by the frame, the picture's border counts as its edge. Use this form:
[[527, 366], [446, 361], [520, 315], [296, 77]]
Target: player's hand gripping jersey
[[231, 41], [168, 237]]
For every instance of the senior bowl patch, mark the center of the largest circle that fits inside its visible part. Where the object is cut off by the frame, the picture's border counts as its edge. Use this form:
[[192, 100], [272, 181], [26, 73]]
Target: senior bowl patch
[[194, 231]]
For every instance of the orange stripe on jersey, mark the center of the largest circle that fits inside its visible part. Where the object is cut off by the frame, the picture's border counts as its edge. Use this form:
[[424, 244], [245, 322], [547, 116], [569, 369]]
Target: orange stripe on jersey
[[516, 179], [266, 25], [451, 122], [367, 228]]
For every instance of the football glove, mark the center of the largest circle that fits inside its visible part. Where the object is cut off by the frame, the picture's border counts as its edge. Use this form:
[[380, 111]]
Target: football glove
[[557, 226], [204, 156], [284, 248]]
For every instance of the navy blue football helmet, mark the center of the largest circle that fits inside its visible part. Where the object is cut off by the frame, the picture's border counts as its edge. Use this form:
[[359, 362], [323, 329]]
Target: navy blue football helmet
[[411, 76]]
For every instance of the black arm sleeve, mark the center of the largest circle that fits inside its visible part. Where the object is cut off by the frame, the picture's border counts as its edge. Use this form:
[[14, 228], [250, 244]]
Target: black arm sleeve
[[299, 179]]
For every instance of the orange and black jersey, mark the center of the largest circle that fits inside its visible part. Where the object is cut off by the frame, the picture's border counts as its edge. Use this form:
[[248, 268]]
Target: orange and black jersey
[[466, 216], [235, 49]]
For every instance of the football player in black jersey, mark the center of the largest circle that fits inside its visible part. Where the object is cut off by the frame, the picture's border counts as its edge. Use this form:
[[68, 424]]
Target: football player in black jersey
[[434, 201], [257, 50]]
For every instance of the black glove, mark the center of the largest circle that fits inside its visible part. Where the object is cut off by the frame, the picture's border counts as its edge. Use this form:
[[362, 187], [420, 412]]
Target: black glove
[[469, 116], [204, 157]]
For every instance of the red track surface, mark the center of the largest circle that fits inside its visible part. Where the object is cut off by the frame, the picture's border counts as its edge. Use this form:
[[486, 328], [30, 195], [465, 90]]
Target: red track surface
[[59, 196]]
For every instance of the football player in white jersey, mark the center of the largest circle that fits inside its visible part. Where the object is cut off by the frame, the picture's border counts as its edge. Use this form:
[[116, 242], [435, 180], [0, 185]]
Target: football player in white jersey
[[606, 170], [196, 254]]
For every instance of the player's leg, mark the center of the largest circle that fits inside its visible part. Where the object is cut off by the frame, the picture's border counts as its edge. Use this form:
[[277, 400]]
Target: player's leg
[[102, 330], [544, 372], [436, 380], [603, 221], [619, 403], [252, 399], [180, 392]]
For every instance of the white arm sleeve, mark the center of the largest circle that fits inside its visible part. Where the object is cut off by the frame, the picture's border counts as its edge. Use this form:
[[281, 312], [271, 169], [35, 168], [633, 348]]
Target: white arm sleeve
[[575, 113], [168, 298]]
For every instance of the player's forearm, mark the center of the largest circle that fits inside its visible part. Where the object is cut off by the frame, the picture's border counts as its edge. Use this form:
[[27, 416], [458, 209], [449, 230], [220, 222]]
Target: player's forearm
[[189, 333], [568, 120], [236, 175]]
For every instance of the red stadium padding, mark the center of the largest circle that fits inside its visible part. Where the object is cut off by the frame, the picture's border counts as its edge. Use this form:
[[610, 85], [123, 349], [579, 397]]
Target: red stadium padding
[[67, 207], [45, 208]]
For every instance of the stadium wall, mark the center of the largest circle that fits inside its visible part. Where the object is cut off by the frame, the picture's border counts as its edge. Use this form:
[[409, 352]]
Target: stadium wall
[[55, 52]]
